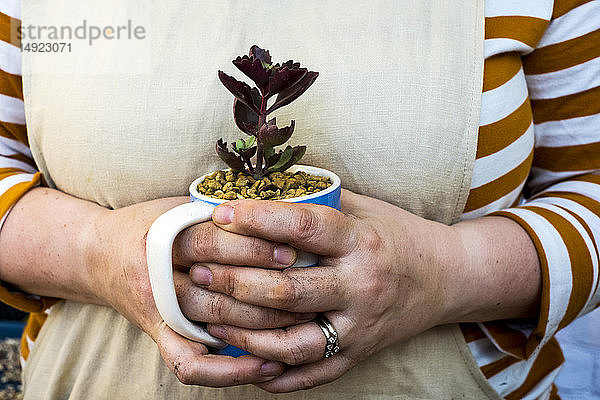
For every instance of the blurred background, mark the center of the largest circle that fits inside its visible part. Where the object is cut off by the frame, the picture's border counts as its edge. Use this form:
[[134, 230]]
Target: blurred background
[[12, 322], [580, 376]]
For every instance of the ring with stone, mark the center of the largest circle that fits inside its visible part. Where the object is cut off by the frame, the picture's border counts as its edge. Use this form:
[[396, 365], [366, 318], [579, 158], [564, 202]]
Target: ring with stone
[[332, 346]]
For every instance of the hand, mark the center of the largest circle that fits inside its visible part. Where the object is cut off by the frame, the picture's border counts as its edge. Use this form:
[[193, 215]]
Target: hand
[[381, 280], [120, 267]]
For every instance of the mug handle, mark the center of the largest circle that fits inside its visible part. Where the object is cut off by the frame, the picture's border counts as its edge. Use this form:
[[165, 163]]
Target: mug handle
[[159, 256]]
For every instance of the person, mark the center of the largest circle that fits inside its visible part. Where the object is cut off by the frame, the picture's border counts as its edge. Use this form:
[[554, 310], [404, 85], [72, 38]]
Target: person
[[521, 264]]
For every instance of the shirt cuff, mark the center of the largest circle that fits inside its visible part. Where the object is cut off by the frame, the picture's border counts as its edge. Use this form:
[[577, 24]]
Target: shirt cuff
[[569, 268]]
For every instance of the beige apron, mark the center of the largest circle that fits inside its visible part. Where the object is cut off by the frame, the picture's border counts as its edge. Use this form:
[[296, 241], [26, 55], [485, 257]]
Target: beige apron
[[394, 112]]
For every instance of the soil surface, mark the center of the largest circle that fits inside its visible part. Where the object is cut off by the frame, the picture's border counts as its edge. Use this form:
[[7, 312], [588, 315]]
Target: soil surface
[[229, 185]]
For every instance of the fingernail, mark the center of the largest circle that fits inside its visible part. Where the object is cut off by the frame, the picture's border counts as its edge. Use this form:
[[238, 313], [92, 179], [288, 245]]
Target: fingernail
[[223, 215], [303, 317], [284, 255], [270, 368], [218, 331], [201, 275]]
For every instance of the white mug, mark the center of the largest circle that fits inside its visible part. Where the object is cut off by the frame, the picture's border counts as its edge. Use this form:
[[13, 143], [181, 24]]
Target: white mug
[[159, 249]]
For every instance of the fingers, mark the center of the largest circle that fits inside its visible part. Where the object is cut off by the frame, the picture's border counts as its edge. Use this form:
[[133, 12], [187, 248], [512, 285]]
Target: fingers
[[200, 304], [312, 289], [310, 375], [207, 243], [313, 228], [295, 345], [192, 364]]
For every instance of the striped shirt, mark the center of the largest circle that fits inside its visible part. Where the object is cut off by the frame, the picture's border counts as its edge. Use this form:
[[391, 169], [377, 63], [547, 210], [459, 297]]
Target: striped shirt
[[537, 162]]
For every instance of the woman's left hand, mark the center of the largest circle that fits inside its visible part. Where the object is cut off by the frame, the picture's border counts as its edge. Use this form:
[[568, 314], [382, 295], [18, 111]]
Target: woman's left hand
[[384, 276]]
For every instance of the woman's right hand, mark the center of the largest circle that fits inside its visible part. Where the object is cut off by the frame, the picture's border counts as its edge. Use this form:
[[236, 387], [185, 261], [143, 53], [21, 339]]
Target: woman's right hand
[[117, 260]]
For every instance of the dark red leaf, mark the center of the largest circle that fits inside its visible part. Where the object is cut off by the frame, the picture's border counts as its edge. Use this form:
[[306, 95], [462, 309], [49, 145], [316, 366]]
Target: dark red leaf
[[274, 136], [246, 118], [254, 69], [273, 159], [266, 133], [287, 96], [291, 64], [239, 89], [235, 162], [249, 129], [284, 78], [260, 54]]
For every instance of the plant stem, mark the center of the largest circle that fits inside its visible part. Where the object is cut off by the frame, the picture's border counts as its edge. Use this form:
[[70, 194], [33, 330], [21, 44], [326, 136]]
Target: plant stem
[[250, 166], [262, 120], [258, 172]]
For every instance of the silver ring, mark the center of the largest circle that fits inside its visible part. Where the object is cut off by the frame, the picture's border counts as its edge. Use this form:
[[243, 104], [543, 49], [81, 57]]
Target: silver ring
[[331, 336]]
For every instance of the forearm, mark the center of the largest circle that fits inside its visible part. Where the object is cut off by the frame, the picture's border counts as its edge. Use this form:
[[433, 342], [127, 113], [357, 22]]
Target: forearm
[[45, 246], [498, 274]]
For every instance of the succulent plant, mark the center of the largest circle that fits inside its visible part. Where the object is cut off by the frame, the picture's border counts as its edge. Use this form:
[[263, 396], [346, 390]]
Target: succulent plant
[[250, 110]]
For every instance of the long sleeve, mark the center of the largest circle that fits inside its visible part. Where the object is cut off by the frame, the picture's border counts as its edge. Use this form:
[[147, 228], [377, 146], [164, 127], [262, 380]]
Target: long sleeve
[[18, 173], [537, 162], [562, 210]]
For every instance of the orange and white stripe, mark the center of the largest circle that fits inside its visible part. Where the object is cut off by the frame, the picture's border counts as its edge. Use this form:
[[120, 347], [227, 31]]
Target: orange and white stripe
[[561, 67], [18, 173]]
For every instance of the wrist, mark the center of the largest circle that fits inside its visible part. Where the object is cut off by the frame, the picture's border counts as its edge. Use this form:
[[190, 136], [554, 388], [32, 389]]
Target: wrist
[[95, 244], [452, 276], [497, 273]]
